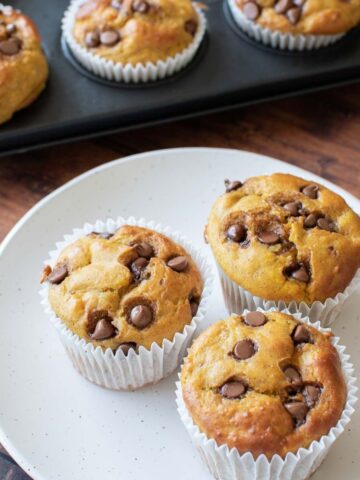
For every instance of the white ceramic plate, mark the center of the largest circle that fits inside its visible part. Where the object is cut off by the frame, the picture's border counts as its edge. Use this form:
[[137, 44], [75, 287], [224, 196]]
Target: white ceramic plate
[[55, 423]]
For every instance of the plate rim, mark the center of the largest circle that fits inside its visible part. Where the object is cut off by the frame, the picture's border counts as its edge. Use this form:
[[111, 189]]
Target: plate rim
[[7, 443]]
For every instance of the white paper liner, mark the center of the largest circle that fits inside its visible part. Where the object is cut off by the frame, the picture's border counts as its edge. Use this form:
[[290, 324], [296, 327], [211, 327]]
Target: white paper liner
[[237, 300], [128, 73], [147, 366], [275, 39], [226, 464]]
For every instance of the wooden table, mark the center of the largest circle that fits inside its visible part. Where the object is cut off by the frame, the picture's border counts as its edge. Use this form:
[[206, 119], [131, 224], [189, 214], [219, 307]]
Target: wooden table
[[319, 132]]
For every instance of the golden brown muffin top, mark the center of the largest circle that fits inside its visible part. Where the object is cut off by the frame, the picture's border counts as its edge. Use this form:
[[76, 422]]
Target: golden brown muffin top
[[263, 383], [310, 17], [23, 67], [135, 31], [284, 238], [132, 288]]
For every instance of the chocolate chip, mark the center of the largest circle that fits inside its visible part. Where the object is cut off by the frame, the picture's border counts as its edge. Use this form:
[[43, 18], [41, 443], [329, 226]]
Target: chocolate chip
[[236, 233], [282, 6], [140, 6], [310, 221], [11, 28], [12, 46], [92, 39], [299, 3], [59, 274], [230, 186], [141, 316], [293, 16], [311, 394], [298, 272], [268, 237], [138, 266], [325, 224], [244, 349], [233, 389], [301, 335], [194, 308], [292, 374], [144, 249], [255, 319], [293, 208], [109, 37], [104, 235], [190, 27], [126, 347], [104, 329], [178, 264], [251, 10], [301, 275], [298, 410], [310, 191]]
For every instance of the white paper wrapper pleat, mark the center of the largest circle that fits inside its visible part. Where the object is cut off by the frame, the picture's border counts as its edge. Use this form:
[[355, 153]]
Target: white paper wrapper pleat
[[237, 300], [147, 366], [283, 41], [128, 73], [226, 464]]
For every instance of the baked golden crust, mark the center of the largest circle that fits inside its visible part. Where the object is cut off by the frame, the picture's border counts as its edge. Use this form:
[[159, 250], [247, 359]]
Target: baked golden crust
[[22, 75], [328, 260], [145, 30], [314, 17], [100, 277], [258, 421]]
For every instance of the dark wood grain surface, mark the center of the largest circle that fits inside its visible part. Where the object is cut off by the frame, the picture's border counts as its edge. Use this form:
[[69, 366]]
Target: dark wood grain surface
[[319, 132]]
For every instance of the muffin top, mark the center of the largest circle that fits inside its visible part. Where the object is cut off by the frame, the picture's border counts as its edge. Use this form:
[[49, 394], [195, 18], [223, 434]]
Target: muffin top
[[132, 288], [135, 31], [311, 17], [284, 238], [23, 67], [263, 383]]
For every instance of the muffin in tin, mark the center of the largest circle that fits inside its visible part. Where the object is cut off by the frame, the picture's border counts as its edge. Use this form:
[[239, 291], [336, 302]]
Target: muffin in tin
[[296, 24], [263, 384], [23, 66], [280, 238], [109, 36], [126, 297]]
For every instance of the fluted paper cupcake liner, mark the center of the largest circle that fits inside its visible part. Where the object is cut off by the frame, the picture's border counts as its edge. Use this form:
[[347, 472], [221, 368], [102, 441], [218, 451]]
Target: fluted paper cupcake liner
[[237, 300], [115, 370], [276, 39], [229, 464], [126, 72]]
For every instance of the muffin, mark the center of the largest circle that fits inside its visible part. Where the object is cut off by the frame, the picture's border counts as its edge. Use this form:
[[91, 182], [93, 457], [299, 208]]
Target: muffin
[[265, 384], [23, 66], [296, 24], [282, 240], [133, 40], [124, 291]]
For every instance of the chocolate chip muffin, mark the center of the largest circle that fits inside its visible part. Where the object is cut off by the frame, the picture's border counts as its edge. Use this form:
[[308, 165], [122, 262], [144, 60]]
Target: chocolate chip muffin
[[135, 31], [124, 290], [303, 17], [23, 67], [263, 383], [283, 238]]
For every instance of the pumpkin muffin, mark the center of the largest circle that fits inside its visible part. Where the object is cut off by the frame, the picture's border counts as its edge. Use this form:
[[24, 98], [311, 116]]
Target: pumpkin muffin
[[284, 239], [124, 290], [263, 383], [296, 24], [304, 17], [135, 31], [23, 66]]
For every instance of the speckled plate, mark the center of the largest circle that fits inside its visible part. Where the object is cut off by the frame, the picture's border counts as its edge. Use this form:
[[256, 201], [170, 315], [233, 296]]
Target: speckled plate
[[53, 422]]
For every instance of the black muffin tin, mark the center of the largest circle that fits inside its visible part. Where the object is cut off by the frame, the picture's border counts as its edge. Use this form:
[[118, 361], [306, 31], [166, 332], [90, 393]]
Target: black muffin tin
[[229, 70]]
